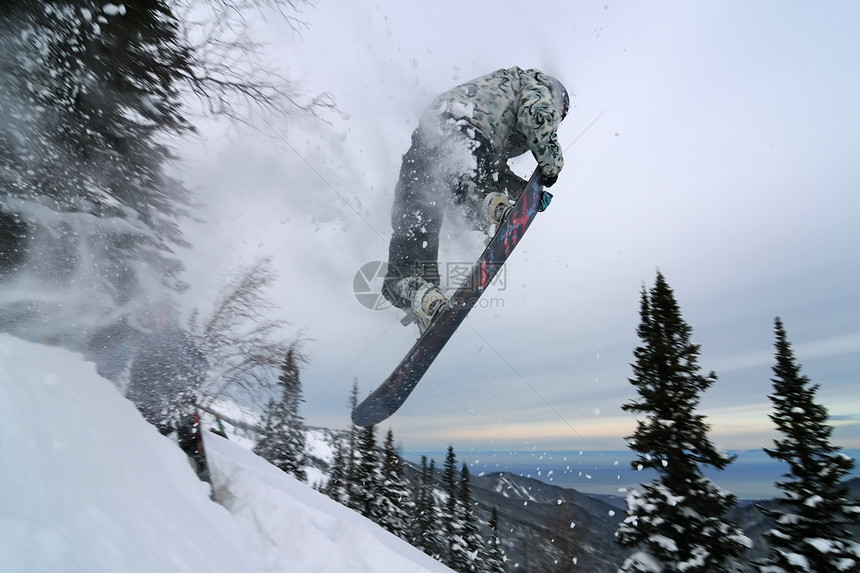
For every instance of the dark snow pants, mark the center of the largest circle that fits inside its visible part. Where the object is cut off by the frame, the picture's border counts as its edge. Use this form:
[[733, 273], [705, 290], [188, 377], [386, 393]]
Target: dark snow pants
[[431, 179]]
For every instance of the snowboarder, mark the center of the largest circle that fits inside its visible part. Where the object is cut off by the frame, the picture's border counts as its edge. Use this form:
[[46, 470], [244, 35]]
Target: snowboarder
[[190, 440], [458, 158]]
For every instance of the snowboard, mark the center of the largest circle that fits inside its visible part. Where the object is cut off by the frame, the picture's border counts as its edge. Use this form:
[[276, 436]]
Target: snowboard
[[393, 392]]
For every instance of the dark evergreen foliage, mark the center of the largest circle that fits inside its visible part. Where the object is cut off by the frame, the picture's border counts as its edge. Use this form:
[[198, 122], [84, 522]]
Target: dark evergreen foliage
[[367, 477], [423, 508], [89, 94], [450, 517], [814, 509], [495, 552], [341, 476], [396, 506], [677, 522], [282, 440], [467, 547], [92, 96], [352, 452], [336, 488], [428, 526]]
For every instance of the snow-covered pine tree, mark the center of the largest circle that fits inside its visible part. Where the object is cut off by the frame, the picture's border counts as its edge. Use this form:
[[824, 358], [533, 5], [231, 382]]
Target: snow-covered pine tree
[[469, 555], [428, 534], [90, 93], [342, 475], [496, 558], [422, 514], [293, 400], [282, 440], [677, 522], [398, 507], [263, 447], [814, 509], [352, 453], [93, 94], [336, 488], [451, 516], [367, 485]]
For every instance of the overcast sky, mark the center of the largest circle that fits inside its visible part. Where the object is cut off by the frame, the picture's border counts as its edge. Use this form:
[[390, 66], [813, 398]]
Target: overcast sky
[[715, 141]]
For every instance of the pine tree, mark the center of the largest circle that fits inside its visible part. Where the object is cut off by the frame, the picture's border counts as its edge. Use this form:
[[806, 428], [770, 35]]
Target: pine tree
[[263, 447], [91, 93], [336, 486], [282, 440], [422, 496], [368, 475], [495, 552], [469, 547], [428, 525], [352, 453], [397, 505], [677, 521], [293, 400], [341, 481], [814, 510], [450, 515], [94, 96]]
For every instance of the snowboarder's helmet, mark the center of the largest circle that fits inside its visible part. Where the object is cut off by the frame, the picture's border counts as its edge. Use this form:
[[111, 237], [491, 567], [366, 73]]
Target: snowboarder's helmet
[[559, 93]]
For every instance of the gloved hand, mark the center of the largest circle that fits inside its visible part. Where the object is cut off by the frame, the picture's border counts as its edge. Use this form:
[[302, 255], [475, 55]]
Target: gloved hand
[[547, 181], [545, 199]]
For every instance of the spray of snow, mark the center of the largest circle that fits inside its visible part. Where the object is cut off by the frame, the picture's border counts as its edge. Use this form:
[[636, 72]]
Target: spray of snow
[[84, 272]]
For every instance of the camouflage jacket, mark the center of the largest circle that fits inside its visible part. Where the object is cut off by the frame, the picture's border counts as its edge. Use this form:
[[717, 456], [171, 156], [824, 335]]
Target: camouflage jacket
[[512, 108]]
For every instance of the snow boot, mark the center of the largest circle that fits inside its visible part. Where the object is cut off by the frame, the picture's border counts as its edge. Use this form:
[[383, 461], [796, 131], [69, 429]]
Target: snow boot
[[428, 303], [496, 207], [422, 300]]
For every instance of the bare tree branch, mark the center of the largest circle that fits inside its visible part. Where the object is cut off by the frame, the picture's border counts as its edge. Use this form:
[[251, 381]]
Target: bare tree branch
[[243, 347], [229, 73]]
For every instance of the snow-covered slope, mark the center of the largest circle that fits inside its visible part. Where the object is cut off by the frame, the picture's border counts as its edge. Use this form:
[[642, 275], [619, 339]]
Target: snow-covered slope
[[86, 485], [288, 522]]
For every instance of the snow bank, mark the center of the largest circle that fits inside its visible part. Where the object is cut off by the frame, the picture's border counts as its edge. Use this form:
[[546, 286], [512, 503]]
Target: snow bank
[[288, 522], [86, 485]]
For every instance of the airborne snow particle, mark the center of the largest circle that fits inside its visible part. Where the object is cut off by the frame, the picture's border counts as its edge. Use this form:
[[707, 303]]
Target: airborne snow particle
[[112, 9]]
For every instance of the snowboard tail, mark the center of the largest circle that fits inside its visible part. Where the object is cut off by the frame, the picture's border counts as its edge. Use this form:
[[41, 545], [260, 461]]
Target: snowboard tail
[[393, 392]]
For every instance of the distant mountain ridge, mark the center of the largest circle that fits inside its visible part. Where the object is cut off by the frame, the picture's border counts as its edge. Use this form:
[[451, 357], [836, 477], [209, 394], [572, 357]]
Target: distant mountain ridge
[[536, 517]]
